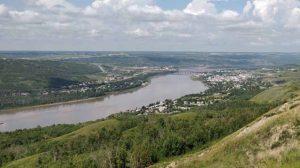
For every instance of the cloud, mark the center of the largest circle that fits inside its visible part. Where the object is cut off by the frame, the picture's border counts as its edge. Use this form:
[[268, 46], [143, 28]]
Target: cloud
[[24, 16], [294, 19], [139, 33], [130, 23], [230, 15], [55, 5], [247, 8], [271, 11], [3, 9], [104, 6], [200, 7]]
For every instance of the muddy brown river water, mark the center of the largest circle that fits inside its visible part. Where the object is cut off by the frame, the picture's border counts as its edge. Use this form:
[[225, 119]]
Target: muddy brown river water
[[170, 86]]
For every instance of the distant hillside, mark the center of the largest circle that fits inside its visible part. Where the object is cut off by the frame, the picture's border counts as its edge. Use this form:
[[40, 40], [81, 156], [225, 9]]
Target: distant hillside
[[214, 59], [20, 74], [272, 140]]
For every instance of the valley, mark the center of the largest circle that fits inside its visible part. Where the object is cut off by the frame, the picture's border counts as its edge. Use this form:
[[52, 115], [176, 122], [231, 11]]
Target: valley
[[185, 116]]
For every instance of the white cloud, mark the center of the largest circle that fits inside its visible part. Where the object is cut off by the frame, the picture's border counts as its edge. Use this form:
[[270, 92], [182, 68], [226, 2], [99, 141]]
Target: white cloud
[[139, 33], [200, 7], [3, 9], [271, 10], [62, 5], [230, 15], [135, 22], [24, 16], [104, 6], [248, 7], [147, 9], [294, 19]]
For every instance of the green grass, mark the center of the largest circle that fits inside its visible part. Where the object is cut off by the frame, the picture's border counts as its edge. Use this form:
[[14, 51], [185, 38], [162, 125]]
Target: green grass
[[87, 130], [276, 94], [97, 76], [27, 162], [185, 116]]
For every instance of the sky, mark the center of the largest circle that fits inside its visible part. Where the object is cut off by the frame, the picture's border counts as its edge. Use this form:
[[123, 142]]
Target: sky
[[151, 25]]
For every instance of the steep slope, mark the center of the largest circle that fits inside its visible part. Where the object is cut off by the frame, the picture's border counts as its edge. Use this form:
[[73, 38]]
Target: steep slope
[[273, 140]]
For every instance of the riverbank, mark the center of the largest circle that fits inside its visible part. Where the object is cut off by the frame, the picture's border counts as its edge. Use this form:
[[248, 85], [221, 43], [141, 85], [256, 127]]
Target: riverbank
[[70, 102], [11, 110]]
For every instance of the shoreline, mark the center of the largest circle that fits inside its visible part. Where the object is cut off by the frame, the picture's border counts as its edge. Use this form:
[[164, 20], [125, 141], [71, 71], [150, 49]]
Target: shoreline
[[86, 102], [33, 107]]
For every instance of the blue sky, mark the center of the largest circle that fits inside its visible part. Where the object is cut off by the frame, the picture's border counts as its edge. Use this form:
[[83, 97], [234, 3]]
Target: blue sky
[[165, 4], [237, 5], [172, 4]]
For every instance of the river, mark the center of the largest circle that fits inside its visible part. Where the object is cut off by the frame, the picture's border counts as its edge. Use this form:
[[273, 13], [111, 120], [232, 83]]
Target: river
[[170, 86]]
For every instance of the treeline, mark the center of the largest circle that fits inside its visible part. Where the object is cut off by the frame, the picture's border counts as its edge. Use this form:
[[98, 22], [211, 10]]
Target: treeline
[[134, 140]]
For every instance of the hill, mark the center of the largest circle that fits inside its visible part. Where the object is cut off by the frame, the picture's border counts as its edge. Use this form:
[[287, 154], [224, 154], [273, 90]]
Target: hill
[[272, 140], [21, 74]]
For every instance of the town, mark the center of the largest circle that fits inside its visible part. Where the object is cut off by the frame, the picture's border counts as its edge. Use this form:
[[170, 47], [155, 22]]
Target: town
[[222, 85]]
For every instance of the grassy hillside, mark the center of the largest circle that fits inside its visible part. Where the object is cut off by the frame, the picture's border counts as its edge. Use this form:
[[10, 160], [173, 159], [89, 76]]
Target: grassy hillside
[[19, 74], [276, 94], [288, 88], [272, 140]]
